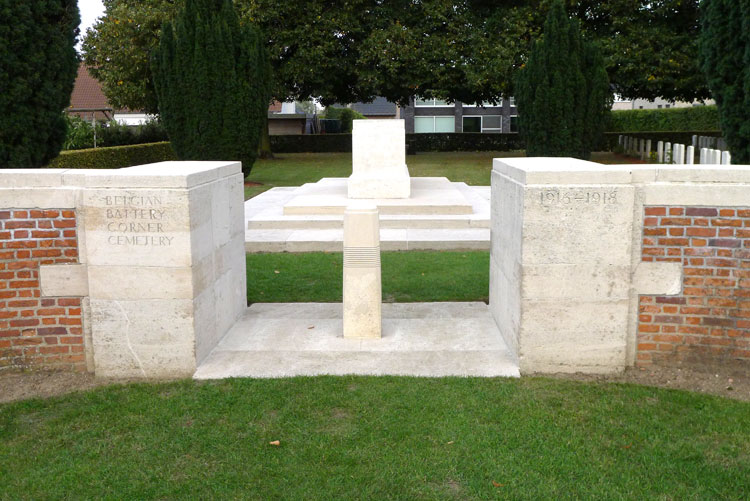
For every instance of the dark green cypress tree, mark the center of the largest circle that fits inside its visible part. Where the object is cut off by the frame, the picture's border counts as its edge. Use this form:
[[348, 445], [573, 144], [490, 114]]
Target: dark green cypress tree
[[725, 60], [562, 92], [212, 78], [38, 65]]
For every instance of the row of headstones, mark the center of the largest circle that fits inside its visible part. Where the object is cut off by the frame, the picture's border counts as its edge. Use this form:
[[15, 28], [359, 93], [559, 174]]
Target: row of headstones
[[676, 153]]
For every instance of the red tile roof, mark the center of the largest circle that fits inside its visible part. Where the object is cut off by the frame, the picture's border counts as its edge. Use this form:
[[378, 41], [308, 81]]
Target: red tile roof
[[87, 94]]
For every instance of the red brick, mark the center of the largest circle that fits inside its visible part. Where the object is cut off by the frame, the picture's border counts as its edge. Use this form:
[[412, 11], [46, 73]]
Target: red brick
[[47, 253], [12, 225], [52, 331], [676, 232], [51, 311], [675, 221], [27, 322], [4, 214], [654, 232], [648, 328], [20, 214], [69, 302], [676, 211], [674, 242], [656, 211], [68, 214], [45, 234], [727, 212], [69, 321], [726, 232], [701, 211], [700, 232], [726, 222], [646, 346], [54, 349]]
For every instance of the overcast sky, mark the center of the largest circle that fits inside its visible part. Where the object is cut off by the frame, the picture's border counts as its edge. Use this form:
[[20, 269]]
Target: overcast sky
[[90, 10]]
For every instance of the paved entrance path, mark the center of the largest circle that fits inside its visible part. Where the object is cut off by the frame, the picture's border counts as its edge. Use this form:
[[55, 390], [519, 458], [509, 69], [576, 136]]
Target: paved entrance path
[[419, 339]]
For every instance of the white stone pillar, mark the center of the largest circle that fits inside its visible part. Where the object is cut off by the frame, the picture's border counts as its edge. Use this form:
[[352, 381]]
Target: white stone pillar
[[690, 155], [716, 157], [694, 142], [668, 155], [362, 278], [165, 247], [726, 158], [660, 151], [379, 160], [703, 159]]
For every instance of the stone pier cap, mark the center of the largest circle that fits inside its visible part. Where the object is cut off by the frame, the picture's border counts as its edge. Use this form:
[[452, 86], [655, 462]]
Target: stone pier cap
[[563, 170]]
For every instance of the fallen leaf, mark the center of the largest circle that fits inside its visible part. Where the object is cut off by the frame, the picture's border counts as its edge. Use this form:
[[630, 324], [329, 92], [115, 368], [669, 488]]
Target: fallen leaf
[[628, 446], [275, 442], [311, 327], [496, 484]]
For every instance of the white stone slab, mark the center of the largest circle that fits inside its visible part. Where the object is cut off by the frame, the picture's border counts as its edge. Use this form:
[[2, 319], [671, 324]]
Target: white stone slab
[[379, 160], [426, 339], [428, 196]]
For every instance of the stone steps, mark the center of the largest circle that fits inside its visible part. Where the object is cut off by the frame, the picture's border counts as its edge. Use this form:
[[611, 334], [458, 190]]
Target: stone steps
[[331, 240], [419, 339], [269, 229]]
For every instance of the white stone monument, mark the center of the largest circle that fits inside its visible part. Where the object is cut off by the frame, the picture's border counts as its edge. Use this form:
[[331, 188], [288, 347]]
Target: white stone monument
[[379, 160], [362, 284], [690, 155]]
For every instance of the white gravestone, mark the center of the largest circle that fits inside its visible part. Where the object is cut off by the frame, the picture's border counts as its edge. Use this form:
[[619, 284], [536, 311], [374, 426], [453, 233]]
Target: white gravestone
[[690, 155], [379, 160], [362, 283]]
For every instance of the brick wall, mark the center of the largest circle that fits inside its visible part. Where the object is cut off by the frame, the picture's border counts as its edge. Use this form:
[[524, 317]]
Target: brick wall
[[709, 322], [37, 331]]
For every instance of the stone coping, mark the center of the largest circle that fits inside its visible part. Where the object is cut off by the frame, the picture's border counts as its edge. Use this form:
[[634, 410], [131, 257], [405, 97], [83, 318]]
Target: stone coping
[[156, 175], [571, 171]]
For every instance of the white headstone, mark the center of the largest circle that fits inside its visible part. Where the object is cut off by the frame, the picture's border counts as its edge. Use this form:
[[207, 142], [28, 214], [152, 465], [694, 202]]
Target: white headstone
[[668, 156], [379, 160], [660, 151], [362, 282], [647, 155], [726, 158], [690, 155]]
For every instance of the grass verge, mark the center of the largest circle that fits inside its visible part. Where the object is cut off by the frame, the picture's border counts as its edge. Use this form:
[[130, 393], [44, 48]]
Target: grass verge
[[376, 438], [406, 276]]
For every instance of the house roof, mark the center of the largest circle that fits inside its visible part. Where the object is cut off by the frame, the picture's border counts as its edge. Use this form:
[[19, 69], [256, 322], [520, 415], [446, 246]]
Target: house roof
[[378, 107], [87, 92]]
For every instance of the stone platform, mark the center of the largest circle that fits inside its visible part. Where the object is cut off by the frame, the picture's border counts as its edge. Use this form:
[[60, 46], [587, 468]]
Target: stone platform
[[306, 339], [440, 215]]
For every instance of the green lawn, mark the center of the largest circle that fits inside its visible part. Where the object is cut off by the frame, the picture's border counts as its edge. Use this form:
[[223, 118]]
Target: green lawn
[[407, 277], [376, 438], [295, 169]]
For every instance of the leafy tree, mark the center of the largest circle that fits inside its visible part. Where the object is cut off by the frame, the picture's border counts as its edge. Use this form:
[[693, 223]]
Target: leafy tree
[[562, 93], [38, 66], [725, 60], [469, 50], [211, 76]]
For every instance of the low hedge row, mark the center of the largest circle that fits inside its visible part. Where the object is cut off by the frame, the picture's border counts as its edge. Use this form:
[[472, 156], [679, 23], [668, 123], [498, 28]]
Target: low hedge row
[[704, 118], [311, 143], [342, 143], [114, 157]]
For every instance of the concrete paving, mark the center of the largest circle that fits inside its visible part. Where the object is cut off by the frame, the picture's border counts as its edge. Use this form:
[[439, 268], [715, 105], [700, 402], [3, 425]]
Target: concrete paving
[[269, 229], [305, 339]]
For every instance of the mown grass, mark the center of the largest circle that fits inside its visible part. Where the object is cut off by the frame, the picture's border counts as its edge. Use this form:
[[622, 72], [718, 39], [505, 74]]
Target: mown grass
[[295, 169], [376, 438], [406, 276]]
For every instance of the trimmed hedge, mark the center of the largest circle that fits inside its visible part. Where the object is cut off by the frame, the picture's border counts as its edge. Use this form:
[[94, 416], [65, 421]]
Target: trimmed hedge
[[703, 118], [114, 157], [682, 137], [311, 143], [342, 143], [463, 141]]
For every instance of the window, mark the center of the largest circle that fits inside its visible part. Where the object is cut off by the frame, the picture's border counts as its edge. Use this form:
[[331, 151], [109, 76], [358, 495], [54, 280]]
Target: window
[[658, 106], [667, 106], [434, 124], [514, 123], [484, 123], [430, 103], [472, 124], [512, 101], [640, 107], [484, 104]]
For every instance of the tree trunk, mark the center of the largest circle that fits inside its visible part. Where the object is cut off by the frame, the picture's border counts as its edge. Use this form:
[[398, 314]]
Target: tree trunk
[[264, 146]]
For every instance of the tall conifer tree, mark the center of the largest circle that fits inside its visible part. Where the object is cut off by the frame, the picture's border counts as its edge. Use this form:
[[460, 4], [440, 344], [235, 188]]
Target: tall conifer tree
[[562, 92], [212, 81], [725, 60], [38, 65]]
